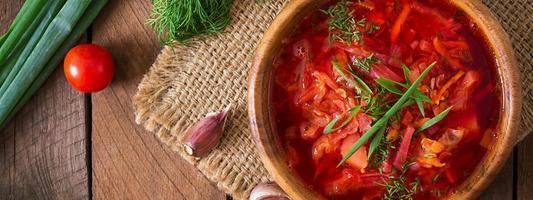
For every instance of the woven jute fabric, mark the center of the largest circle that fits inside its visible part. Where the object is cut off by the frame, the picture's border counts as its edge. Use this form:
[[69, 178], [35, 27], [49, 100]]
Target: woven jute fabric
[[186, 82]]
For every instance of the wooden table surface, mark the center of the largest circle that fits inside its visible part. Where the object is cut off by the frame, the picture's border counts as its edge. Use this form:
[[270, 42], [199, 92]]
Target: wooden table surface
[[67, 145]]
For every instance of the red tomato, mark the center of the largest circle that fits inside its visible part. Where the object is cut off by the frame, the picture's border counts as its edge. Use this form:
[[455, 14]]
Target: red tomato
[[89, 68]]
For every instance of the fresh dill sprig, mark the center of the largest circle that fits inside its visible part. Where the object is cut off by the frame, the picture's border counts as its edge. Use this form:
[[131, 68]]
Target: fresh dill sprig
[[342, 25], [180, 20], [376, 105], [399, 188], [382, 153], [365, 63], [372, 28]]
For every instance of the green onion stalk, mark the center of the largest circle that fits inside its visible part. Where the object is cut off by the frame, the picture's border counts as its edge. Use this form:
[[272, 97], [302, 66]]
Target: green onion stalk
[[63, 31]]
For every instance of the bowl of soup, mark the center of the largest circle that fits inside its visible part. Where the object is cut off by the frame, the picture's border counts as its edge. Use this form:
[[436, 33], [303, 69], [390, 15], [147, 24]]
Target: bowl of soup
[[384, 99]]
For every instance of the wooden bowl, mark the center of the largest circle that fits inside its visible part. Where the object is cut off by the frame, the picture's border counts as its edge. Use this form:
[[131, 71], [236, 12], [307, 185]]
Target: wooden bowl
[[268, 141]]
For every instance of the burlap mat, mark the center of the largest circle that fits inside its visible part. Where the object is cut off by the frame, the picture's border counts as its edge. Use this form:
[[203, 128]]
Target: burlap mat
[[187, 82]]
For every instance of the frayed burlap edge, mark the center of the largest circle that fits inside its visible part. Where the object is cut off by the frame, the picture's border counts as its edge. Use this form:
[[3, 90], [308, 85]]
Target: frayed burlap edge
[[185, 83]]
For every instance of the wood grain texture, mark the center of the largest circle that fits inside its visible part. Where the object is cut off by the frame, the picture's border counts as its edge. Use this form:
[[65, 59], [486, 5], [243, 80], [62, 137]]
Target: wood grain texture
[[129, 162], [43, 149], [502, 186], [524, 169]]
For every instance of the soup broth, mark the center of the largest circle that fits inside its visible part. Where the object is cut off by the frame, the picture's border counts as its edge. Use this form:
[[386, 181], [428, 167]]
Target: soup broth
[[354, 120]]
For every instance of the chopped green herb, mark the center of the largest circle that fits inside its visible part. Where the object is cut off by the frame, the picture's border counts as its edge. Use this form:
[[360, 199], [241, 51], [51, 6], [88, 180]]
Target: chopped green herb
[[383, 120], [365, 63], [372, 28], [406, 73], [382, 153], [180, 20], [408, 103], [421, 107], [376, 142], [376, 106], [329, 128], [359, 86], [434, 120], [342, 25], [390, 85], [362, 83], [396, 187]]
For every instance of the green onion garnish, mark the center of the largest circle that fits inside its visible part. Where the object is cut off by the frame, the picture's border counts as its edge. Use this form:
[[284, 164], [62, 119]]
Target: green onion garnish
[[421, 107], [48, 44], [362, 83], [355, 85], [406, 73], [434, 120], [376, 141], [389, 85], [365, 63], [329, 128], [382, 121]]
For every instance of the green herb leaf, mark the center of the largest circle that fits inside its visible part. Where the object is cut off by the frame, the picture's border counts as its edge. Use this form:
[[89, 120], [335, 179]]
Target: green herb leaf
[[406, 73], [418, 95], [382, 121], [365, 63], [376, 141], [420, 107], [389, 85], [397, 188], [180, 20], [376, 106], [357, 87], [362, 83], [372, 28], [329, 128], [434, 120], [342, 25]]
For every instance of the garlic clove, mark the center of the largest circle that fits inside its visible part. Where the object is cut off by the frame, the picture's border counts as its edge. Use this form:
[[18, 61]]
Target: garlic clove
[[268, 191], [205, 135]]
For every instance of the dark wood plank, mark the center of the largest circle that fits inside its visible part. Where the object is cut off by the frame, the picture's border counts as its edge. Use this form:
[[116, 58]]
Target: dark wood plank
[[525, 169], [44, 146], [502, 186], [128, 162], [42, 150]]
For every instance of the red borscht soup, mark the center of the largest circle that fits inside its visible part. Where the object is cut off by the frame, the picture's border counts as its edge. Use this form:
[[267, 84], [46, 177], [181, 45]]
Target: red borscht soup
[[385, 99]]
